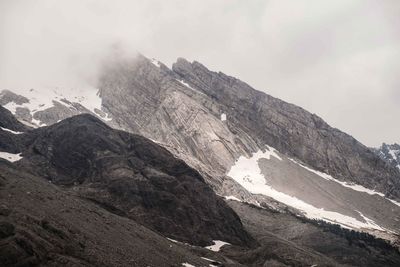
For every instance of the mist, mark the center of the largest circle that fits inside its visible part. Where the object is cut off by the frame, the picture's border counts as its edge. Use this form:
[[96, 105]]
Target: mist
[[339, 59]]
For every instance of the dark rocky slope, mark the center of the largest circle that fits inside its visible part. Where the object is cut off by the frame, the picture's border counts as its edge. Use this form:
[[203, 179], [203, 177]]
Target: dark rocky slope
[[132, 177], [9, 142], [42, 224], [8, 121]]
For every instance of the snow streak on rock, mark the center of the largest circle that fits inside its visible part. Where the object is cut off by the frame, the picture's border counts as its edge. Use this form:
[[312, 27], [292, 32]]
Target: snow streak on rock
[[10, 157], [11, 131], [218, 244], [246, 172]]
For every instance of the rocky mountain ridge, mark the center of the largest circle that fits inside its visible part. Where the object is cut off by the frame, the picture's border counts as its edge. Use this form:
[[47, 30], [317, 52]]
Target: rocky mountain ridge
[[130, 176], [211, 120], [83, 194]]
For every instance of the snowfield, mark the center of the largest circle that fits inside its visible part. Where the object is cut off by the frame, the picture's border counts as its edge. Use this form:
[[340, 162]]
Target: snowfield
[[43, 98], [10, 157], [232, 198], [223, 117], [246, 171], [11, 131], [218, 244], [155, 62]]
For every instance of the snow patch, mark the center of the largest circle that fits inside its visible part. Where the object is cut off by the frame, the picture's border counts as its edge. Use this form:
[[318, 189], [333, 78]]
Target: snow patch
[[213, 262], [371, 222], [155, 62], [187, 264], [207, 259], [11, 131], [393, 153], [186, 84], [223, 117], [247, 173], [218, 244], [173, 240], [42, 99], [10, 157], [232, 198]]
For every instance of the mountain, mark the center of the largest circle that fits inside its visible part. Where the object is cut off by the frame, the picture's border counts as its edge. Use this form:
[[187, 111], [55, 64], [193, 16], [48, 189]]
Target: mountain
[[83, 194], [130, 176], [76, 180], [42, 224], [247, 145], [390, 153]]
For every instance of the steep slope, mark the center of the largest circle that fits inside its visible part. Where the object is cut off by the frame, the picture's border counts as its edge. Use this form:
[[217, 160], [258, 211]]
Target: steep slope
[[292, 130], [318, 195], [44, 225], [390, 153], [82, 204], [132, 177], [9, 128], [9, 122], [213, 122]]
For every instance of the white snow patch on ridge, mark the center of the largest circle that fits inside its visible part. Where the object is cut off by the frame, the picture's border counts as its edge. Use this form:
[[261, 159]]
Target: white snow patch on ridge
[[10, 157], [246, 172], [232, 198], [218, 244], [155, 62], [42, 98], [11, 131], [188, 86], [223, 117], [173, 240], [393, 153], [187, 264]]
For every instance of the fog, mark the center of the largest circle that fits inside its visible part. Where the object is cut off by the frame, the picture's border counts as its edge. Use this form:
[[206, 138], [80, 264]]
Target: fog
[[339, 59]]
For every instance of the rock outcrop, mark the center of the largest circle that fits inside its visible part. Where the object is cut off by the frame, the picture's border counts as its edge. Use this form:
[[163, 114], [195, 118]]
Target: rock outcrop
[[389, 153]]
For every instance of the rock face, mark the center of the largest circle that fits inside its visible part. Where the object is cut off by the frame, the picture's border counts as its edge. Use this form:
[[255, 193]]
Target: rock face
[[182, 109], [390, 153], [132, 177], [153, 101], [292, 130], [210, 120], [8, 121], [84, 194], [9, 124]]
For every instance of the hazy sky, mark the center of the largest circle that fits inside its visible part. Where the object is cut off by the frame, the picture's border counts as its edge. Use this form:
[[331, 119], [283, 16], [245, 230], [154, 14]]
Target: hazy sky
[[339, 59]]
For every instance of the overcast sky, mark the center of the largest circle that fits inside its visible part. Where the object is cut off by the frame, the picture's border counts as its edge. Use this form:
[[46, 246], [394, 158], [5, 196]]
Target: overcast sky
[[339, 59]]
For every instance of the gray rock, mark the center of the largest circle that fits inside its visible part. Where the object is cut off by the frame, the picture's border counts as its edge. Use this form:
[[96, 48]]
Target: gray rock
[[389, 153]]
